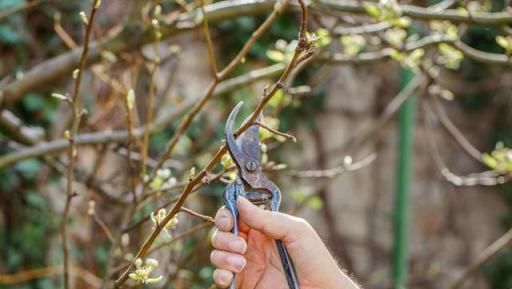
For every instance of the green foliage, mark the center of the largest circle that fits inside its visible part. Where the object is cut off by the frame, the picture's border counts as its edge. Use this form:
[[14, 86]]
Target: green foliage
[[352, 44], [500, 159], [9, 36], [499, 271], [312, 201], [240, 30], [505, 42], [450, 57], [388, 11], [410, 60]]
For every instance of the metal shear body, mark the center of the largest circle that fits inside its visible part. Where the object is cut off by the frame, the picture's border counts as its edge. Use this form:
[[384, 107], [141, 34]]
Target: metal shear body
[[252, 184]]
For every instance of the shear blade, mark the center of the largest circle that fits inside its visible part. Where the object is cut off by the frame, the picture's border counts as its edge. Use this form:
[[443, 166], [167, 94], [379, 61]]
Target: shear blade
[[246, 146]]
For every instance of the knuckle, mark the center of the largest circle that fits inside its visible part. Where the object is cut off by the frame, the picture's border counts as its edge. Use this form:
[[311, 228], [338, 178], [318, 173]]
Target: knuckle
[[219, 240], [301, 224], [214, 238]]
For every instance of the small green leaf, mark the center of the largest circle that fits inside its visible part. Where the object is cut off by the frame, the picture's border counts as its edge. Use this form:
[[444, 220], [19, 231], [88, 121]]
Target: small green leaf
[[130, 99], [462, 11], [489, 161], [505, 43], [502, 41], [315, 203], [109, 56], [276, 55], [446, 94], [450, 56], [372, 10], [402, 22], [59, 96]]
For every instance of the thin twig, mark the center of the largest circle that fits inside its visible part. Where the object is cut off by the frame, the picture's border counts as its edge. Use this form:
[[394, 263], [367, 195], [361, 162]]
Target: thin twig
[[452, 129], [171, 201], [483, 258], [209, 44], [181, 236], [488, 178], [31, 274], [104, 227], [129, 123], [274, 131], [71, 44], [75, 122], [333, 172], [191, 212], [149, 113]]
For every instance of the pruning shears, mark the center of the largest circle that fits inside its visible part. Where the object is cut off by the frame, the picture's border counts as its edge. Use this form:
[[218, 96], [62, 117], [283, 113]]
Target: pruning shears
[[253, 185]]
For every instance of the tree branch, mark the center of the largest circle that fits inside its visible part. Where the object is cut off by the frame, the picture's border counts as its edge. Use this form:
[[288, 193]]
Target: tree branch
[[76, 112], [166, 117], [20, 132], [483, 257], [303, 46], [421, 13], [132, 37]]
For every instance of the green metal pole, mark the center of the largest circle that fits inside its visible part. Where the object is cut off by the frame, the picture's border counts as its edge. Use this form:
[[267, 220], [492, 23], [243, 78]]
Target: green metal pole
[[401, 211]]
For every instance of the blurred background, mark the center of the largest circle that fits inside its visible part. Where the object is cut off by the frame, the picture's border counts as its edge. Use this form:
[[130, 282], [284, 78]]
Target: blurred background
[[402, 123]]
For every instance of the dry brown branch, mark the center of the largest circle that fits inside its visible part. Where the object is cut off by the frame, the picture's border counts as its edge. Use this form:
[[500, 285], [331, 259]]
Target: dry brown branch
[[209, 44], [15, 9], [193, 213], [421, 13], [128, 106], [159, 123], [29, 275], [482, 258], [104, 227], [149, 119], [302, 47], [18, 130], [362, 29], [452, 129], [187, 120], [276, 132], [487, 178], [132, 37], [181, 236], [333, 172], [173, 200], [76, 112]]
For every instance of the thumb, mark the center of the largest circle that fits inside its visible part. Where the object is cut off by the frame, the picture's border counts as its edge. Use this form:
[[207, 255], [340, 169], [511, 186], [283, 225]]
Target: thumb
[[276, 225]]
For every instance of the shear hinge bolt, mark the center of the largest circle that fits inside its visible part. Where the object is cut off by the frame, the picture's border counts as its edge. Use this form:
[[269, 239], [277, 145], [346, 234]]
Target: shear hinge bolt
[[251, 166]]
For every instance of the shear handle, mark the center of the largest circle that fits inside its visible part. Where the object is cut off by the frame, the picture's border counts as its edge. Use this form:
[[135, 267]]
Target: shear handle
[[235, 190]]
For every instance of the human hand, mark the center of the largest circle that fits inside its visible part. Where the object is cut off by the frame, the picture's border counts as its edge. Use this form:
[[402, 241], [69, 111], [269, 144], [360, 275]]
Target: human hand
[[253, 254]]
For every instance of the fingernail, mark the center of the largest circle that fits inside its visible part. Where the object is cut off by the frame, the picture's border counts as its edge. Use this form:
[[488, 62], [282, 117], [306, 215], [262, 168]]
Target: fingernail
[[225, 279], [237, 262], [238, 246]]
